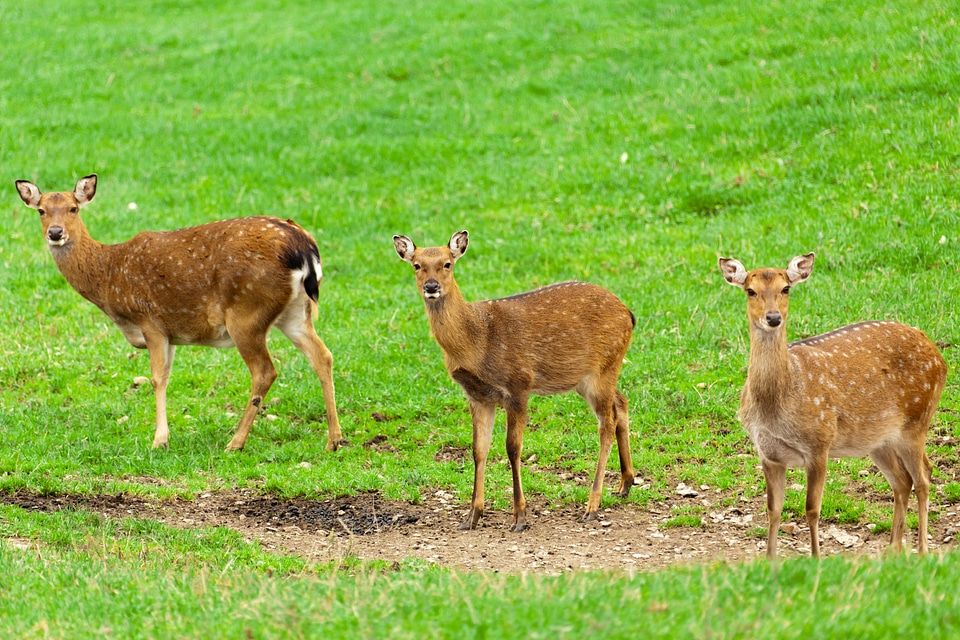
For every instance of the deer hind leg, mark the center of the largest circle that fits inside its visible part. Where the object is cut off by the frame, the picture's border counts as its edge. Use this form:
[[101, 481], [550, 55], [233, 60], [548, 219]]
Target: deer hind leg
[[603, 406], [303, 335], [921, 486], [816, 478], [775, 475], [891, 465], [251, 342], [516, 423], [919, 469], [623, 445], [483, 414], [161, 362]]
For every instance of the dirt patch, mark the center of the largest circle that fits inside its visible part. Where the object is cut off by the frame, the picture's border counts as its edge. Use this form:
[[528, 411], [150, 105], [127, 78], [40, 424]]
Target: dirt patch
[[626, 537]]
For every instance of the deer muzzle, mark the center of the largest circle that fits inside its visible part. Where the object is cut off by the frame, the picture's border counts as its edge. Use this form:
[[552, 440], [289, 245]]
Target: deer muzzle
[[431, 289], [55, 236]]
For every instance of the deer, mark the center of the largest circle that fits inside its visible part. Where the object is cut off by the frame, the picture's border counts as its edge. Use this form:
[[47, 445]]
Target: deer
[[221, 284], [566, 336], [865, 389]]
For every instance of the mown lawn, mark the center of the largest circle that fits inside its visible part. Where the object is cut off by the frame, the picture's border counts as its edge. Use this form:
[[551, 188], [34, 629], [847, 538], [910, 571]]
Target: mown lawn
[[626, 143]]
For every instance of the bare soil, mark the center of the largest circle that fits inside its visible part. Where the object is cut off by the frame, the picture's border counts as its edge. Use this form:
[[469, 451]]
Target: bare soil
[[626, 537]]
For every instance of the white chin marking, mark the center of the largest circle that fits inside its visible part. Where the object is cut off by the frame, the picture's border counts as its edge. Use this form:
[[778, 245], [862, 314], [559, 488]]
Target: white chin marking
[[431, 296], [57, 243]]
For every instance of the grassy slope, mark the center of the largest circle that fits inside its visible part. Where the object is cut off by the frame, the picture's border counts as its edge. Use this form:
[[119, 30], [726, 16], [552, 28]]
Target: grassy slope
[[627, 143]]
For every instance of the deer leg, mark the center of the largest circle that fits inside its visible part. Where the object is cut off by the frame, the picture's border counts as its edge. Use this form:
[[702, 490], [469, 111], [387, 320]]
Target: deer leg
[[305, 338], [483, 415], [892, 467], [816, 478], [161, 362], [516, 423], [775, 475], [603, 407], [623, 445], [252, 345], [921, 486]]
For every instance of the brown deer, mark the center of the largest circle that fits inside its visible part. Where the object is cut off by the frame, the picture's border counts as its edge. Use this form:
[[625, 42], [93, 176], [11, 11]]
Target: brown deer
[[867, 389], [565, 336], [221, 284]]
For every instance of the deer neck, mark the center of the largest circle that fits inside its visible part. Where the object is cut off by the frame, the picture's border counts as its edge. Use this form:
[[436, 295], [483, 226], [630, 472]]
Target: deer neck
[[457, 328], [768, 372], [83, 263]]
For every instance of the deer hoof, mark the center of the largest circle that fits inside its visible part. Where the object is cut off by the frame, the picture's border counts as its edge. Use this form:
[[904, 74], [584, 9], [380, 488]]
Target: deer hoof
[[472, 519], [333, 445], [590, 516]]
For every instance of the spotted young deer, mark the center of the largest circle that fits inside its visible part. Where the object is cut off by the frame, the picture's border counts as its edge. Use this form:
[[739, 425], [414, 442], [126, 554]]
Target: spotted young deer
[[221, 284], [867, 389], [567, 336]]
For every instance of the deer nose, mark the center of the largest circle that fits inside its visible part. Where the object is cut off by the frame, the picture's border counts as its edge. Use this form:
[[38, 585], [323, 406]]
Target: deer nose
[[774, 318], [431, 287], [55, 233]]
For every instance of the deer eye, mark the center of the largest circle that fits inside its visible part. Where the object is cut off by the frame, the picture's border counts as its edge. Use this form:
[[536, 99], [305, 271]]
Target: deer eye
[[74, 209], [751, 293], [416, 267], [447, 265], [43, 212], [786, 291]]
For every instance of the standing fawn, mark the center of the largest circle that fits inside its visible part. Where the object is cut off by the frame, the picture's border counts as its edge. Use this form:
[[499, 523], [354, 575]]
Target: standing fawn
[[221, 284], [565, 336], [867, 389]]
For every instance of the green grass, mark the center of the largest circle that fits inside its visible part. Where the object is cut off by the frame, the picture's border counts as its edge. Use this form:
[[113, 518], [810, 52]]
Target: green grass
[[120, 580], [628, 143]]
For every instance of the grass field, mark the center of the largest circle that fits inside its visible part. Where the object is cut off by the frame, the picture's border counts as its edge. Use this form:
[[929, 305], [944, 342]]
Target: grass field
[[624, 143]]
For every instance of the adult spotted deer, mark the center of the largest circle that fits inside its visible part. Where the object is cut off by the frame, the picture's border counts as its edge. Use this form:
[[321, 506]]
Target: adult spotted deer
[[221, 284], [567, 336], [867, 389]]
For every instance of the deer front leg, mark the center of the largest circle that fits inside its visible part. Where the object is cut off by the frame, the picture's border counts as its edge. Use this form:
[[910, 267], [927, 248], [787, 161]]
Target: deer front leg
[[161, 362], [775, 475], [516, 423], [483, 415]]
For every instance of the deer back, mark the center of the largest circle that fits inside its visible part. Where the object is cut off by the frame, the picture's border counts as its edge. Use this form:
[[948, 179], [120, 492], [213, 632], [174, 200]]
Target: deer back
[[185, 281], [556, 335]]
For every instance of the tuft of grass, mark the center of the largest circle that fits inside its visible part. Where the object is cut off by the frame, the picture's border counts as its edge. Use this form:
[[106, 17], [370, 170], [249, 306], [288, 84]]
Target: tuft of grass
[[690, 521]]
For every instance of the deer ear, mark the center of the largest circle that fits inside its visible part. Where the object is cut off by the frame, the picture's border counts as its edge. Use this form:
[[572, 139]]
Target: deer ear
[[800, 268], [733, 271], [29, 193], [85, 190], [458, 244], [404, 247]]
